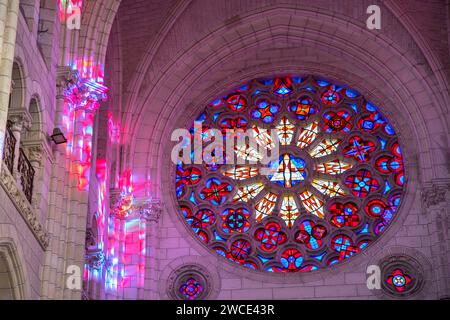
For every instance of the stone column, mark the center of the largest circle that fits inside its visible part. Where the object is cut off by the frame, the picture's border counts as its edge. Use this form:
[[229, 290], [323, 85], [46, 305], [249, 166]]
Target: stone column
[[151, 213], [8, 28], [436, 201], [54, 270]]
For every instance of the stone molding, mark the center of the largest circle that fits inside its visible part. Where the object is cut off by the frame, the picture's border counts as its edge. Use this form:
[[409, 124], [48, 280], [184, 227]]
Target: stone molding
[[22, 205], [149, 209]]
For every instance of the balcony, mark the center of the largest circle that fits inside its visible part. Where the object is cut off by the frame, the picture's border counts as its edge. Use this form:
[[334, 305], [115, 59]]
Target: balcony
[[24, 167], [10, 146]]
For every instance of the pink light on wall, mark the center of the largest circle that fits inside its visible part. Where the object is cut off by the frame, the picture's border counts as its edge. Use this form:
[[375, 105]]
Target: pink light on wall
[[127, 237], [81, 100], [114, 129], [102, 176], [67, 7]]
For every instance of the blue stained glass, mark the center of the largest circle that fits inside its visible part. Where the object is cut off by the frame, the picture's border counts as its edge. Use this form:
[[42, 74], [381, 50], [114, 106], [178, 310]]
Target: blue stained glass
[[351, 93], [283, 90], [389, 130], [334, 262], [257, 92], [370, 107], [216, 115], [221, 252], [192, 198], [180, 191], [387, 187], [354, 107], [263, 259], [202, 117], [266, 81], [319, 256], [249, 265], [363, 245], [218, 237], [322, 83], [216, 102], [265, 195], [287, 171], [382, 143], [364, 230], [243, 88]]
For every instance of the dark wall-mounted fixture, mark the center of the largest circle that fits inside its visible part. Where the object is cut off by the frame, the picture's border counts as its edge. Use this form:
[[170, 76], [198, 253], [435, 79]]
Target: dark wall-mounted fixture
[[58, 137]]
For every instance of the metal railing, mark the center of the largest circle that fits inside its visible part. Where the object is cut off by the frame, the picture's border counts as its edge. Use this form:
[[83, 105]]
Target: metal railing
[[26, 175], [9, 147]]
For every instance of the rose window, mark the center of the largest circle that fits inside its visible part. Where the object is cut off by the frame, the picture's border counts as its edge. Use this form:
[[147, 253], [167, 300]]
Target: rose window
[[333, 188]]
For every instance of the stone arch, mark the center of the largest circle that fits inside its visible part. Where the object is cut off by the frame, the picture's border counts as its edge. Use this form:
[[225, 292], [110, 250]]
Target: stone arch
[[18, 86], [207, 68], [97, 20], [13, 275], [35, 109]]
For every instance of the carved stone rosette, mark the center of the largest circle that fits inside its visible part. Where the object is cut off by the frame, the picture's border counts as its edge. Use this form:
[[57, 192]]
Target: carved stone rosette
[[434, 194], [189, 282], [150, 210], [20, 119], [95, 259], [23, 206], [402, 276]]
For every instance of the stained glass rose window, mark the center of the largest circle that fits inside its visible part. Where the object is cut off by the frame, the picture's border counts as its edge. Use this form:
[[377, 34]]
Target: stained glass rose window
[[334, 187]]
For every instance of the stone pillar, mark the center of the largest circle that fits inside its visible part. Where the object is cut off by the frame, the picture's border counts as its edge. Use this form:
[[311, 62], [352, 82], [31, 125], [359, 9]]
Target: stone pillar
[[151, 213], [436, 201], [54, 270], [8, 28]]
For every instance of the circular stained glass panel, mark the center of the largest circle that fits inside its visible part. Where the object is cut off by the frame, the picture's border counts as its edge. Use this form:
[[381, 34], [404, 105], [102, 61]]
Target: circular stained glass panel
[[333, 187]]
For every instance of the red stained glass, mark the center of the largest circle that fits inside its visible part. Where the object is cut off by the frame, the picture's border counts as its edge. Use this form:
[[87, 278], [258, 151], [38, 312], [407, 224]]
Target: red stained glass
[[337, 122], [362, 183], [237, 102], [359, 149], [399, 280], [270, 236], [344, 214]]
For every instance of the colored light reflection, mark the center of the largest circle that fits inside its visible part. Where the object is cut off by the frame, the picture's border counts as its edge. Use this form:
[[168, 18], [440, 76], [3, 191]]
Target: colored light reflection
[[67, 7], [81, 100], [126, 239]]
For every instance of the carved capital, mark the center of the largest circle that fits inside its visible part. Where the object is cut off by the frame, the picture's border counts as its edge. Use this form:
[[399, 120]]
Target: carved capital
[[126, 206], [38, 149], [434, 195], [150, 210], [91, 240], [95, 259], [20, 119], [35, 155], [65, 76]]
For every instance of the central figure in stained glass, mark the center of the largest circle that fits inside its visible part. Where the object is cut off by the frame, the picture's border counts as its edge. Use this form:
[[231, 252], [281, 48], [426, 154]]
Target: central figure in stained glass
[[288, 170]]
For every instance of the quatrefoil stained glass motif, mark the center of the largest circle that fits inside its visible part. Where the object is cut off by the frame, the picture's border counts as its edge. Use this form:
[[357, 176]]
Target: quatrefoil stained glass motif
[[335, 186]]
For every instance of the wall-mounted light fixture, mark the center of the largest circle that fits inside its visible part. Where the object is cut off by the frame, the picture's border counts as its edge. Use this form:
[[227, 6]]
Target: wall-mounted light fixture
[[58, 137]]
